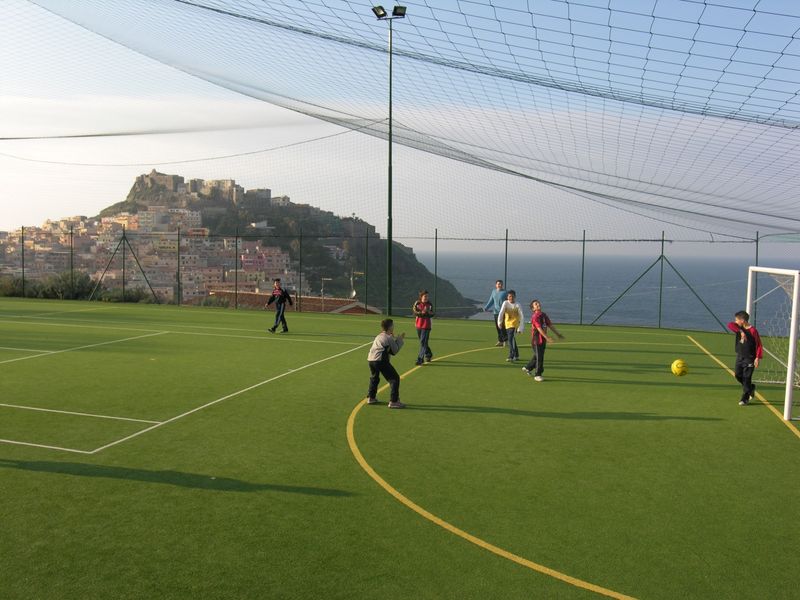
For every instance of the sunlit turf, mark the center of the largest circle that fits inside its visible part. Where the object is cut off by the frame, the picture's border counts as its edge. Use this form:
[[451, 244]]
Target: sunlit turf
[[612, 471]]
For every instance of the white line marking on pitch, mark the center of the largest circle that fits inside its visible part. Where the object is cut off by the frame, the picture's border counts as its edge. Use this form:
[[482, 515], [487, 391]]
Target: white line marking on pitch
[[218, 400], [65, 312], [51, 352], [15, 442], [261, 337], [80, 414], [173, 325], [40, 350]]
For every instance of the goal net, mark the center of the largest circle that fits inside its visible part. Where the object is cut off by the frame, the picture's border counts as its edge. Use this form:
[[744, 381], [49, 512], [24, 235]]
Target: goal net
[[772, 301]]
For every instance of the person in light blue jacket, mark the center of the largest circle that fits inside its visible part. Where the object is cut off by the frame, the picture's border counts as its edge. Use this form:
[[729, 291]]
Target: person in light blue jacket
[[495, 302]]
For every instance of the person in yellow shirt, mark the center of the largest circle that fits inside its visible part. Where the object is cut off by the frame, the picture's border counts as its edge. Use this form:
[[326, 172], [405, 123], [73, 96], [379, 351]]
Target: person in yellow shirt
[[512, 320]]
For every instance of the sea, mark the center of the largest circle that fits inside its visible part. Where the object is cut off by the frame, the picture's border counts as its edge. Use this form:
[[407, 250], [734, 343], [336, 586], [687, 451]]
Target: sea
[[698, 292]]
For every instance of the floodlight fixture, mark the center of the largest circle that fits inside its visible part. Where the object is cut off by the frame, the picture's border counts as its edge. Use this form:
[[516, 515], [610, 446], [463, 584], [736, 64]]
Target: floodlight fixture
[[399, 12], [380, 12]]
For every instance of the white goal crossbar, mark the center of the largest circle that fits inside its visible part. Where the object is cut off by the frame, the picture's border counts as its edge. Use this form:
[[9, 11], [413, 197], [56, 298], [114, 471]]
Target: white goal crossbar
[[795, 295]]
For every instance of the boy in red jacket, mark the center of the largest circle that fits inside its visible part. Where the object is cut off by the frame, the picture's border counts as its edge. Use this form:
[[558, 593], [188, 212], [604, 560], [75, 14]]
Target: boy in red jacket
[[749, 352], [539, 338]]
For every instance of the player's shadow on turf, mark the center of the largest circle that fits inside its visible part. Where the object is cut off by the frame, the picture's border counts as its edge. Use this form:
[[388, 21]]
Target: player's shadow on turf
[[178, 478], [579, 415]]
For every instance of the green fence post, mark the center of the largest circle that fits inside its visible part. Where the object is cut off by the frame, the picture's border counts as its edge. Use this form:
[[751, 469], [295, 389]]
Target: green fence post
[[22, 245], [71, 265], [661, 280], [505, 264], [366, 269], [236, 270], [300, 275], [583, 272], [435, 264], [755, 283], [123, 262], [180, 288]]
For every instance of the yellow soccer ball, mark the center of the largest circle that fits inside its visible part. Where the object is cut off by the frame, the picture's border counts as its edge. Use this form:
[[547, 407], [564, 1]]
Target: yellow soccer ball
[[679, 368]]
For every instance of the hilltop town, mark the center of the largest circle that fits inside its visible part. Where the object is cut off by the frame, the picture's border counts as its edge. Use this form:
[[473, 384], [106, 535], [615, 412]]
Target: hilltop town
[[184, 240]]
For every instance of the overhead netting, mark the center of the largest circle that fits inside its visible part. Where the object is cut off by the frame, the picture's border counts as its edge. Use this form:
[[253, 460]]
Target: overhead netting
[[678, 112]]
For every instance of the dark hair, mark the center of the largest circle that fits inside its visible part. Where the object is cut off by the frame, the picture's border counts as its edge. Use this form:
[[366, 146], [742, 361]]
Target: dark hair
[[534, 300], [386, 324], [742, 314], [500, 281], [512, 292], [277, 280], [422, 293]]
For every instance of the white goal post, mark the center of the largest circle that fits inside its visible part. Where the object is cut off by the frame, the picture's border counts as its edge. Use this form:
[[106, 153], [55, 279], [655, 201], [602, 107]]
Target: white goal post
[[788, 281]]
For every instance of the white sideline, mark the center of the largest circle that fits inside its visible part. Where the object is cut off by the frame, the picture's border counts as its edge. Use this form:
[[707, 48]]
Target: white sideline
[[45, 446], [51, 352], [24, 349], [80, 414], [173, 325], [242, 391]]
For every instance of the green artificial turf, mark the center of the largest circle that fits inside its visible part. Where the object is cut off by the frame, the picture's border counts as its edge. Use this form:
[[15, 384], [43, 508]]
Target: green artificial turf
[[612, 470]]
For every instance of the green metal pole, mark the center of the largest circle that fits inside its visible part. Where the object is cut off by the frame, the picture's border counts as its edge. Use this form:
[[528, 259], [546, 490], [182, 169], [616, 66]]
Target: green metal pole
[[366, 269], [505, 264], [300, 284], [123, 263], [661, 280], [389, 219], [755, 283], [22, 244], [583, 273], [236, 271], [71, 265], [435, 264], [180, 286]]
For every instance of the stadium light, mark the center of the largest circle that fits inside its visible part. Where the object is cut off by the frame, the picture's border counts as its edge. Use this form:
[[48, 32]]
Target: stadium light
[[398, 12]]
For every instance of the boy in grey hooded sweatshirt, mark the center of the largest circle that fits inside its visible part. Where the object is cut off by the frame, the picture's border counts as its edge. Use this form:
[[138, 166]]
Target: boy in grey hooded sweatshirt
[[384, 345]]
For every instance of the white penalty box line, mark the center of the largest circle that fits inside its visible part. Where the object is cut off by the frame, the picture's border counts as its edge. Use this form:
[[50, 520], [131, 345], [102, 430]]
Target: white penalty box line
[[66, 412], [227, 397]]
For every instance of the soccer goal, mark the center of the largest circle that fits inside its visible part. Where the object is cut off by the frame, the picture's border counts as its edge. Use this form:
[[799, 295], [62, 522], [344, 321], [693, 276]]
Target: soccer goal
[[772, 301]]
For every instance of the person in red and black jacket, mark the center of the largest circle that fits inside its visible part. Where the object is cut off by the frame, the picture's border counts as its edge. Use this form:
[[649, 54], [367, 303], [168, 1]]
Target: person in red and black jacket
[[423, 311], [539, 338], [280, 297], [749, 352]]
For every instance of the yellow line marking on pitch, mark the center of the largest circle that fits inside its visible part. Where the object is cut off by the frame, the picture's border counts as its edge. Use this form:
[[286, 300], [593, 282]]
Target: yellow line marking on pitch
[[351, 440], [763, 400]]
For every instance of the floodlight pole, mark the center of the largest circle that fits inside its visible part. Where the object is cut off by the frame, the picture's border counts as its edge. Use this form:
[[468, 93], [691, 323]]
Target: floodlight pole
[[389, 193], [397, 13]]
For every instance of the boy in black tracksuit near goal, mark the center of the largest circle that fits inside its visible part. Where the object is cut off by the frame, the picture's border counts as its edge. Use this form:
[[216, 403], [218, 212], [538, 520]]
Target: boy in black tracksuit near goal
[[749, 352]]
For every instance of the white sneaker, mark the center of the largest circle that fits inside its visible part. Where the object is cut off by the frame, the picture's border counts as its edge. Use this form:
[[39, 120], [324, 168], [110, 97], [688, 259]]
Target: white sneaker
[[526, 371], [538, 378], [397, 404]]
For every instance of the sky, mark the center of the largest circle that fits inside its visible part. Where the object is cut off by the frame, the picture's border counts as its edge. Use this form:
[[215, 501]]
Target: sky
[[303, 114]]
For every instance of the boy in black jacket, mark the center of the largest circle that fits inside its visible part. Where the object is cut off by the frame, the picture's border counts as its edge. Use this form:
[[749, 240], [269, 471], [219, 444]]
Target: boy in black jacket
[[749, 353], [279, 296]]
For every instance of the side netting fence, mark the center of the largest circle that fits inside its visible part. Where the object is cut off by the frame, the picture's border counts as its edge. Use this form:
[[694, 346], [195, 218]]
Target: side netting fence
[[657, 282]]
